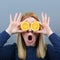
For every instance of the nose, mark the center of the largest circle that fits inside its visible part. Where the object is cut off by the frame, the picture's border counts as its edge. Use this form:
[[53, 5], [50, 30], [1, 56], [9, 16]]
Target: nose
[[30, 30]]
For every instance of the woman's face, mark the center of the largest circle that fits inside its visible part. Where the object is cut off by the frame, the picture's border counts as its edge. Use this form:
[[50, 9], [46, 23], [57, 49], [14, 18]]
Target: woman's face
[[28, 36]]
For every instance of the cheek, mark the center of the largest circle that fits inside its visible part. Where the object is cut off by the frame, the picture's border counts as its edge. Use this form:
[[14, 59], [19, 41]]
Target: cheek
[[24, 35], [35, 35]]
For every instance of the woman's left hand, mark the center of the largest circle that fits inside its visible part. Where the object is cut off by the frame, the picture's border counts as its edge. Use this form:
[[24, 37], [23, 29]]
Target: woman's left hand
[[45, 28]]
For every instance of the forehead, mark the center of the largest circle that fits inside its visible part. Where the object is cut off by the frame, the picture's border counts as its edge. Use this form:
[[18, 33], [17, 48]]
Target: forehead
[[30, 19]]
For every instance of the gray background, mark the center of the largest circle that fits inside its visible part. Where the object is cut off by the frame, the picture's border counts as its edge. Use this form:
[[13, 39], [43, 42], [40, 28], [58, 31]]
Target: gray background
[[51, 7]]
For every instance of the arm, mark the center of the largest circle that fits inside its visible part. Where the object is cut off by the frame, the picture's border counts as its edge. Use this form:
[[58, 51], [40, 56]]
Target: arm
[[13, 28], [55, 40], [4, 36], [53, 52], [46, 30], [8, 52]]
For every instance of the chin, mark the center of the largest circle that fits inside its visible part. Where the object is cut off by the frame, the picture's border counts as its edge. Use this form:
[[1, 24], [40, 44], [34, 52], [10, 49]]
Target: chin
[[30, 44]]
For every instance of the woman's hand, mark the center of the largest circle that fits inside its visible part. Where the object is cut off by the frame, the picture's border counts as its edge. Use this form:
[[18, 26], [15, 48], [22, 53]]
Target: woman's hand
[[14, 25], [45, 28]]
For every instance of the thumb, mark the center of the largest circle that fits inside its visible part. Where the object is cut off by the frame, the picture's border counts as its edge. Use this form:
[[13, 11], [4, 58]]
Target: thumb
[[40, 31]]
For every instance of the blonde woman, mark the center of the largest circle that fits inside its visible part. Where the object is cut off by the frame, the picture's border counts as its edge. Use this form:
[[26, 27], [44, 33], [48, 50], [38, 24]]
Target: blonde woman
[[30, 44]]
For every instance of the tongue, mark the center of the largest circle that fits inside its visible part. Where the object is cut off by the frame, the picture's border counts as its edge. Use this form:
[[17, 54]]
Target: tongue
[[29, 37]]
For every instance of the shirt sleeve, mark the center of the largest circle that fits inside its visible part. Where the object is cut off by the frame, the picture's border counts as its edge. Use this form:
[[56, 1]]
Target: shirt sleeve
[[55, 40], [4, 36]]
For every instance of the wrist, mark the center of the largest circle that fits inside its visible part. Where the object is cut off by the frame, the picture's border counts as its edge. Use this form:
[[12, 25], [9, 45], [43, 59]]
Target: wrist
[[49, 32], [8, 30]]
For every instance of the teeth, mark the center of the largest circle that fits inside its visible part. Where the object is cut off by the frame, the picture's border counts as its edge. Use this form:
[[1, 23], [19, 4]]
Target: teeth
[[29, 37]]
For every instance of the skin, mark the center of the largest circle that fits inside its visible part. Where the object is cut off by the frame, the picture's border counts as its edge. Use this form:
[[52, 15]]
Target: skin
[[29, 32], [13, 27]]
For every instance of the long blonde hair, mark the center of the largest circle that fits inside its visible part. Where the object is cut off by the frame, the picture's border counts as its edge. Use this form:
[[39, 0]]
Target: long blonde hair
[[40, 44]]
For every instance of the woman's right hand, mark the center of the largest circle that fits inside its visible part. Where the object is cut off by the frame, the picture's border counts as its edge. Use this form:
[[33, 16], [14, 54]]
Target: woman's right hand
[[14, 24]]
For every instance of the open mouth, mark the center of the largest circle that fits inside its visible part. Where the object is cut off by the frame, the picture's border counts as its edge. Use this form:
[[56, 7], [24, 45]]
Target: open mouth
[[30, 40], [29, 37]]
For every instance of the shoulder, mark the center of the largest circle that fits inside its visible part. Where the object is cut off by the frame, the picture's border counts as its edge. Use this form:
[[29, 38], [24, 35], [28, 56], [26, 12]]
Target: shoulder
[[51, 53], [50, 48], [8, 48], [8, 51]]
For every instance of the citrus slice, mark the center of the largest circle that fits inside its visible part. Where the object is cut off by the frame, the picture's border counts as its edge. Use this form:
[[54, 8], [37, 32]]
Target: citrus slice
[[24, 26], [35, 26]]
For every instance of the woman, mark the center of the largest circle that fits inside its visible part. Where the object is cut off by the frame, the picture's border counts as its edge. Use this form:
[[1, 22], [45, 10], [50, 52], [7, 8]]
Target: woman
[[30, 44]]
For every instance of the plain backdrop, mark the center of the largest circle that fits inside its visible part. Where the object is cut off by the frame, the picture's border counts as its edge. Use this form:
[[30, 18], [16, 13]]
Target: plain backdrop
[[51, 7]]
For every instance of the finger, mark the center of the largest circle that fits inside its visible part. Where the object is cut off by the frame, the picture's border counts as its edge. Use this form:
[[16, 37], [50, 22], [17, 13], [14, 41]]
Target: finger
[[19, 17], [40, 31], [15, 18], [20, 31], [19, 23], [48, 20], [45, 18], [41, 25], [10, 18], [42, 17]]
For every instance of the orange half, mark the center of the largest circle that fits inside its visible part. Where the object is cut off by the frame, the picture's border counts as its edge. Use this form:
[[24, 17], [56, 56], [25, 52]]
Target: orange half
[[24, 26], [35, 26]]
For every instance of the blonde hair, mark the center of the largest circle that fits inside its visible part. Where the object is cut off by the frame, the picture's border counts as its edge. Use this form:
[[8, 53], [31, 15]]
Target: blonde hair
[[40, 44]]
